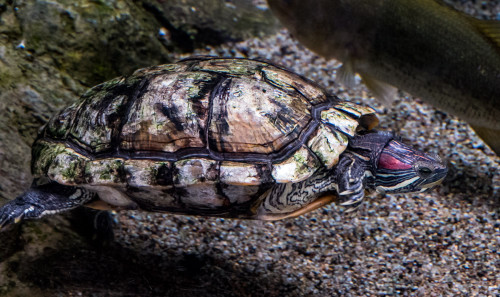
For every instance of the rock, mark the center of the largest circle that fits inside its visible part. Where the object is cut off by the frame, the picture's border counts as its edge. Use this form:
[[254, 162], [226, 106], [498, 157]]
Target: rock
[[191, 23], [51, 52]]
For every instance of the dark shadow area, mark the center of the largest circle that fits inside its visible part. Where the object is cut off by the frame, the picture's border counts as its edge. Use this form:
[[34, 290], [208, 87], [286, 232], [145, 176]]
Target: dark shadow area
[[465, 179], [119, 271], [10, 241], [182, 39], [469, 184], [95, 226]]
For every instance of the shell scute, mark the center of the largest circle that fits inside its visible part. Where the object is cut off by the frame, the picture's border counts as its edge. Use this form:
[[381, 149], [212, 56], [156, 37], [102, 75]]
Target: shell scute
[[237, 68], [298, 167], [365, 115], [148, 173], [58, 162], [294, 83], [170, 115], [110, 172], [244, 105], [100, 113], [67, 168], [239, 173], [58, 126], [160, 69], [163, 174], [188, 172], [328, 144], [340, 121], [43, 154]]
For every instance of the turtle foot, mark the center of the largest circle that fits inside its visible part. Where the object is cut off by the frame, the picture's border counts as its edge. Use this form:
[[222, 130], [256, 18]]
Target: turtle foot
[[350, 174], [40, 201], [15, 211]]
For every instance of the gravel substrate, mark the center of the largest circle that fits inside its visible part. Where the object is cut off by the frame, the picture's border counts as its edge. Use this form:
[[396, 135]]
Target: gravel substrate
[[442, 243]]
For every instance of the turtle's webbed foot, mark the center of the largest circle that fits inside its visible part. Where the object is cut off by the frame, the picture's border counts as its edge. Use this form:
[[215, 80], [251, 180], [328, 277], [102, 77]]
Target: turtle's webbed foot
[[352, 199], [15, 211], [350, 176], [38, 202]]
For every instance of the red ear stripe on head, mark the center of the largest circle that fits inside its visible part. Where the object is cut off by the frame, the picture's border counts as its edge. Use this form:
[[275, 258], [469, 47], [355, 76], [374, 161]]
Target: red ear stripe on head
[[387, 161]]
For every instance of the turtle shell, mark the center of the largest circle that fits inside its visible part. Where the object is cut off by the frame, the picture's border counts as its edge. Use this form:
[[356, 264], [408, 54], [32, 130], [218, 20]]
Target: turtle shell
[[201, 135]]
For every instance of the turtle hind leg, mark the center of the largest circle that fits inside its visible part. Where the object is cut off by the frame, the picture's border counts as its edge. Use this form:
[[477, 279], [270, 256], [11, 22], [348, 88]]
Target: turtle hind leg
[[96, 226], [43, 200]]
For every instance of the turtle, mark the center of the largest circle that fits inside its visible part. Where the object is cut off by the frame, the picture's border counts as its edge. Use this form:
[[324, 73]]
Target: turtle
[[224, 137]]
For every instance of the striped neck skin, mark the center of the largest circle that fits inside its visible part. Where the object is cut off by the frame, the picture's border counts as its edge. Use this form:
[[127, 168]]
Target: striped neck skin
[[403, 169]]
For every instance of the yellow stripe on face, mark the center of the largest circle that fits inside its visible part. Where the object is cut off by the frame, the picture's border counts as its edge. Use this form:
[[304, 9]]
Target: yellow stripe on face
[[400, 185], [433, 184]]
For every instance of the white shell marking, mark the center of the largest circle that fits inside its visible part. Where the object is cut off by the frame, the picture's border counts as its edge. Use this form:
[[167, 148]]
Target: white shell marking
[[237, 173], [340, 121], [195, 171], [328, 144], [297, 167]]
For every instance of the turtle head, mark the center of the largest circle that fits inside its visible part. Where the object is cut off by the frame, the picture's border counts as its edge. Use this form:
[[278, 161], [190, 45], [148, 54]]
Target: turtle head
[[403, 169]]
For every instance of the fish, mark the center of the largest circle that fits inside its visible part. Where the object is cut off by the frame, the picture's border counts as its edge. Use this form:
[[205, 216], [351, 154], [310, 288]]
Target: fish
[[447, 58]]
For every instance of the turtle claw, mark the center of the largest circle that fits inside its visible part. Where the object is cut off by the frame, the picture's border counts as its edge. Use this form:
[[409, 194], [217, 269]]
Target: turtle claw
[[353, 196], [352, 201], [352, 205]]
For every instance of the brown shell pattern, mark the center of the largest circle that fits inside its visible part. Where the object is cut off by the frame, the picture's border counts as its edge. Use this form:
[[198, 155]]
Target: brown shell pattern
[[202, 120]]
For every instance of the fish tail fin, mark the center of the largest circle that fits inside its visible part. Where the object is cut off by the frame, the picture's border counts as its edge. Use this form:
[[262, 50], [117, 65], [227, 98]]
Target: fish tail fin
[[490, 136], [490, 29], [346, 74], [381, 90]]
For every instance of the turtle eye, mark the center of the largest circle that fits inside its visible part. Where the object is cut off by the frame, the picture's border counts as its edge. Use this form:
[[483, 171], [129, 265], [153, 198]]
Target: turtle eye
[[424, 172]]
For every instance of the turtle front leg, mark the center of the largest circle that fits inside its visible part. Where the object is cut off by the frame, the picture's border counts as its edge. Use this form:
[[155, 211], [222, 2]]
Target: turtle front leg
[[43, 200], [350, 174]]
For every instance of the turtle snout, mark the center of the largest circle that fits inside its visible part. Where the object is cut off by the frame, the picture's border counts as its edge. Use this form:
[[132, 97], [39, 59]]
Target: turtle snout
[[434, 178]]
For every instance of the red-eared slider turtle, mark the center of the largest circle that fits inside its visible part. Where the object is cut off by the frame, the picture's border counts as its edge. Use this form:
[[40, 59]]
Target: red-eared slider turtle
[[212, 136]]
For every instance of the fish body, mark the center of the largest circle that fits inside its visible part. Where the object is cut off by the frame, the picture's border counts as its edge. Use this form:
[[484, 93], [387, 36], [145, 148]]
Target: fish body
[[425, 47]]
